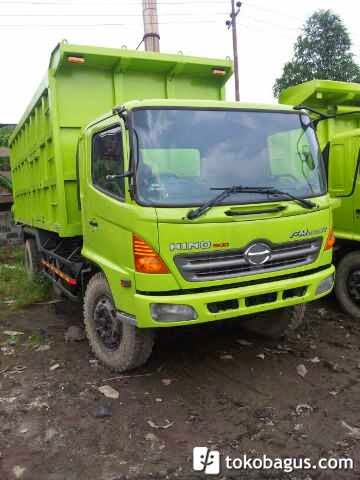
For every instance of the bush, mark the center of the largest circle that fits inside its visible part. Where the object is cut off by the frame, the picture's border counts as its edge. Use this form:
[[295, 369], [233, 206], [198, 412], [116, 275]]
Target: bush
[[5, 164], [5, 133], [16, 290]]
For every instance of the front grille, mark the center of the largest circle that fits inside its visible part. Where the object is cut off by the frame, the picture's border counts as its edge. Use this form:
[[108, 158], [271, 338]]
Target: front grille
[[197, 267]]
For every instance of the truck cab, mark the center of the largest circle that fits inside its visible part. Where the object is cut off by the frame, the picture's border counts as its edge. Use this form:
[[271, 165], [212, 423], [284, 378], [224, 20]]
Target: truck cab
[[149, 172]]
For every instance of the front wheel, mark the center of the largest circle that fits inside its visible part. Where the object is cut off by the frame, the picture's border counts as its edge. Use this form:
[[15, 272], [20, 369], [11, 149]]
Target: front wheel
[[276, 324], [347, 283], [118, 345]]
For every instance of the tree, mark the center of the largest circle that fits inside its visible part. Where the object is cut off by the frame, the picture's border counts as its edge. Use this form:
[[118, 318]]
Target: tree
[[5, 183], [5, 133], [322, 51]]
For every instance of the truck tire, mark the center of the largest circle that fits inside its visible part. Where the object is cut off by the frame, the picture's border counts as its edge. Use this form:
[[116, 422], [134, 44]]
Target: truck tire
[[118, 345], [276, 324], [347, 283], [32, 258]]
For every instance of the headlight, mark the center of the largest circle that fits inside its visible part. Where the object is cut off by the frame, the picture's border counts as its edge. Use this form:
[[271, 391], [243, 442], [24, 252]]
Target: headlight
[[168, 312], [325, 285]]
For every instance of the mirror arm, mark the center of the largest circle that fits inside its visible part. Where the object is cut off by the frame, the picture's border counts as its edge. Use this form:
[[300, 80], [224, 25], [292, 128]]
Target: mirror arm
[[123, 114], [322, 116]]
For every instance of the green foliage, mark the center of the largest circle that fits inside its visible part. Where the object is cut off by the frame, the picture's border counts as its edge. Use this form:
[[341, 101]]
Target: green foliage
[[322, 51], [5, 183], [4, 164], [5, 133], [16, 290]]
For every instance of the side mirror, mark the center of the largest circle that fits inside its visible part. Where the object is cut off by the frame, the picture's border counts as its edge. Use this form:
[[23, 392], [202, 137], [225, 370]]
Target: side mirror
[[342, 168], [305, 120], [307, 156]]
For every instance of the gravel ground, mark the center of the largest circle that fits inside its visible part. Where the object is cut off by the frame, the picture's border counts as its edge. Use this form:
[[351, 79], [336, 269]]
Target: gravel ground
[[212, 386]]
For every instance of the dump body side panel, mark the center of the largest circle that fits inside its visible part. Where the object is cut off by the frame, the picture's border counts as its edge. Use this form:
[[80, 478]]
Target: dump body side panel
[[79, 95], [35, 169]]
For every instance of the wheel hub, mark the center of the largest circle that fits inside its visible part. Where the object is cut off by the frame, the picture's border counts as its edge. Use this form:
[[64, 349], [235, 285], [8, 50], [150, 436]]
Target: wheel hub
[[354, 285], [107, 326]]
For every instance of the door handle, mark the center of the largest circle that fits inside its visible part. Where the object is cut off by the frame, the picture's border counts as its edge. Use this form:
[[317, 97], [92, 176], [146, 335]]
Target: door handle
[[93, 223]]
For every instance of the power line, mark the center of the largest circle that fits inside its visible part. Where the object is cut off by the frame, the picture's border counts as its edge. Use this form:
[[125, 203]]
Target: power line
[[255, 20], [110, 2], [275, 12], [33, 25], [255, 25], [137, 2], [171, 14], [189, 14]]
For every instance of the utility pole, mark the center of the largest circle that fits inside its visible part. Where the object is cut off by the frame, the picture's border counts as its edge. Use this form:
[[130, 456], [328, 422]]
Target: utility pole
[[232, 24], [151, 26]]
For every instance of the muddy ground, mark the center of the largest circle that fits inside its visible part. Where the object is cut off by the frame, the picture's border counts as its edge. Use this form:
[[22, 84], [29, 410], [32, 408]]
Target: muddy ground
[[202, 387]]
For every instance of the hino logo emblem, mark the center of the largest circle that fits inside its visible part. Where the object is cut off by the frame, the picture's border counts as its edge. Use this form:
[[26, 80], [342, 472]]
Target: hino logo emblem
[[258, 254], [197, 245]]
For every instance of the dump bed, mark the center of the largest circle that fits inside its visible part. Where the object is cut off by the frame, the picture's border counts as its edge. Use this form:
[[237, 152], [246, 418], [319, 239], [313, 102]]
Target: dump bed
[[82, 83], [322, 94]]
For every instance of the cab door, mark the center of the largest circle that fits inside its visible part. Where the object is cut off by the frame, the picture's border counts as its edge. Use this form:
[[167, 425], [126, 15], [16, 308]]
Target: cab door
[[105, 213]]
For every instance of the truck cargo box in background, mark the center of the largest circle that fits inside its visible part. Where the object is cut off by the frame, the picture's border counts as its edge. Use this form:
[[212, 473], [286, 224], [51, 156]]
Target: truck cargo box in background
[[81, 84]]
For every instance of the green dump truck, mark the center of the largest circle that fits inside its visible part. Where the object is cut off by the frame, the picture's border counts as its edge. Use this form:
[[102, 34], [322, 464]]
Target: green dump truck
[[175, 207], [335, 109]]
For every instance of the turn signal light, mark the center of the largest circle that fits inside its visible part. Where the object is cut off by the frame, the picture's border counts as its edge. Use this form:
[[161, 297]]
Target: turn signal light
[[146, 259], [79, 60], [218, 72], [330, 241]]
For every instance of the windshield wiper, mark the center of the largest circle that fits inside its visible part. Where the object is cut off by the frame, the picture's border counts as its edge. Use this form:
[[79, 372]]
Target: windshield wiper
[[227, 191]]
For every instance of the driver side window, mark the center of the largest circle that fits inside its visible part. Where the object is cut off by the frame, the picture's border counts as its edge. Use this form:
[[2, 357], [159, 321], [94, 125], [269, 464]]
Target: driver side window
[[108, 162]]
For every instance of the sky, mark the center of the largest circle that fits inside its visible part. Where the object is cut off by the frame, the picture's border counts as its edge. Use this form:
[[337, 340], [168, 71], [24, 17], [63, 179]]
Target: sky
[[267, 31]]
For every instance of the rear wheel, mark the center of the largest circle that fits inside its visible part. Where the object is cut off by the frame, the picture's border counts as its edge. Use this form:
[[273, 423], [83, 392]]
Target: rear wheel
[[276, 324], [32, 258], [117, 344], [347, 283]]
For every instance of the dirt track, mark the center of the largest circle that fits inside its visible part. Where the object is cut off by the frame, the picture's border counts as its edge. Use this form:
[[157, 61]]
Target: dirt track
[[202, 384]]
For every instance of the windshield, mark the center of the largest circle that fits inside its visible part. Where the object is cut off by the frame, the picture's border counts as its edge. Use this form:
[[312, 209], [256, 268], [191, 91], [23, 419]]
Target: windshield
[[184, 153]]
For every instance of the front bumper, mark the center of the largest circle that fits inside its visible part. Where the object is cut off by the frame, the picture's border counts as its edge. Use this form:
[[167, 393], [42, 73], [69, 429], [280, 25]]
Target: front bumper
[[241, 300]]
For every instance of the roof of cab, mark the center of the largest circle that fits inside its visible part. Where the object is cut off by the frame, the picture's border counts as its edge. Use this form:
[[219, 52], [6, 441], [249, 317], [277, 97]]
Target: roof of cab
[[196, 104]]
